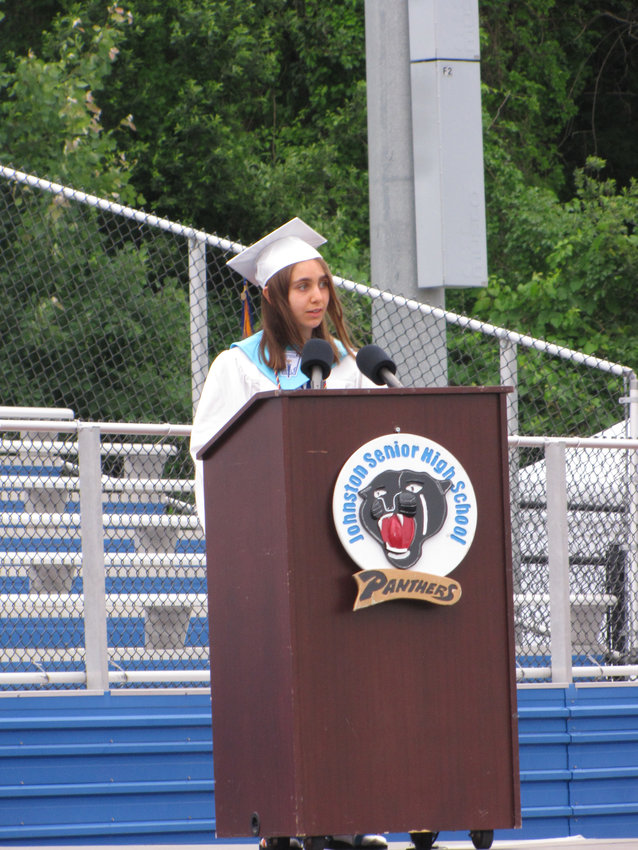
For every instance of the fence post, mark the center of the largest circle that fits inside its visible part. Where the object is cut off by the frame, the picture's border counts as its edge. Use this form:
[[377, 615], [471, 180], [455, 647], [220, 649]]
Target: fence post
[[508, 352], [93, 581], [631, 577], [199, 316], [508, 369], [558, 558]]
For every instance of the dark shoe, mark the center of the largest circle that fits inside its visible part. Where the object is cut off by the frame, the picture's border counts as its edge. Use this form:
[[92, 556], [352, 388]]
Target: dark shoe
[[344, 842]]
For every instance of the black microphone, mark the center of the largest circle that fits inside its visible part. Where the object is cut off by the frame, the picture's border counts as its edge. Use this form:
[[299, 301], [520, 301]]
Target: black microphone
[[376, 365], [317, 358]]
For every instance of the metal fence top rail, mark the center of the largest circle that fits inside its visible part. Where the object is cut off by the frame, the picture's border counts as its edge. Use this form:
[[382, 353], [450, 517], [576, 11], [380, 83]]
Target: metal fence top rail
[[517, 440], [148, 428], [448, 316], [489, 330], [119, 209], [36, 413], [174, 430]]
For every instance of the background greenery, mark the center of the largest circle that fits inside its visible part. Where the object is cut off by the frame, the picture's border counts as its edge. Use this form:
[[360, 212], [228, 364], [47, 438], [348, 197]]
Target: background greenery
[[234, 116]]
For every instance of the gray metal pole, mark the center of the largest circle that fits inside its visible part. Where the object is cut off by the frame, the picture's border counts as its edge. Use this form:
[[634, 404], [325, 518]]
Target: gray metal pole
[[631, 579], [391, 172], [558, 557], [199, 317], [509, 378], [391, 185], [93, 582]]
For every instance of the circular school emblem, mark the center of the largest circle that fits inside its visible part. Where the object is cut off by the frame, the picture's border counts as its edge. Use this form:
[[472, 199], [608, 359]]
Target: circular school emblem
[[405, 511]]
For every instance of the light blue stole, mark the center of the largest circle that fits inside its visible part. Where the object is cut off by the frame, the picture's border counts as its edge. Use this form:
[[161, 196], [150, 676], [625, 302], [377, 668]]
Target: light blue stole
[[250, 347]]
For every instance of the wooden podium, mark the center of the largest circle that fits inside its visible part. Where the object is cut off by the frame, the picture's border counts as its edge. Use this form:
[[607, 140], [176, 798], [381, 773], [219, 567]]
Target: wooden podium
[[396, 718]]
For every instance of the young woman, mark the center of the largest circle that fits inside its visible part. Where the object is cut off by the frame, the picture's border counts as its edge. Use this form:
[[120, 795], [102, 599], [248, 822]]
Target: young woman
[[298, 299]]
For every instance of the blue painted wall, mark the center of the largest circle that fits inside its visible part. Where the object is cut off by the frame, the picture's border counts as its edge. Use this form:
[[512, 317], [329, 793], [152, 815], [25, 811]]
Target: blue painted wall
[[132, 768], [579, 760], [117, 768]]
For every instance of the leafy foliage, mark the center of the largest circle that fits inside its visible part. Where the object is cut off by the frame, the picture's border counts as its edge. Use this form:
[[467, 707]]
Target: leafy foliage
[[559, 81], [567, 270], [50, 123], [112, 326], [237, 116], [247, 114]]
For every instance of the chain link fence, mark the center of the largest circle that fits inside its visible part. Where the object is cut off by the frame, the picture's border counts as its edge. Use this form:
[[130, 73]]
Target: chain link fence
[[103, 579], [113, 315]]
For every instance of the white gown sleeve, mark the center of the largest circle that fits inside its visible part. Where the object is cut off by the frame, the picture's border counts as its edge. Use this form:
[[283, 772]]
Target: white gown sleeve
[[228, 386]]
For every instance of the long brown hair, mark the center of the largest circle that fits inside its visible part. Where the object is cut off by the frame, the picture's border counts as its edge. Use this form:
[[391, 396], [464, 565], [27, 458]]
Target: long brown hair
[[280, 329]]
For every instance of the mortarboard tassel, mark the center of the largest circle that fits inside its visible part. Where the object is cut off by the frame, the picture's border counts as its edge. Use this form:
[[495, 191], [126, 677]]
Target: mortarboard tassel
[[247, 313]]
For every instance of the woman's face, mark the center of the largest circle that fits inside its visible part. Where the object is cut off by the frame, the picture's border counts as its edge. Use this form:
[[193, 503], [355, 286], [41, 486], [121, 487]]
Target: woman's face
[[308, 295]]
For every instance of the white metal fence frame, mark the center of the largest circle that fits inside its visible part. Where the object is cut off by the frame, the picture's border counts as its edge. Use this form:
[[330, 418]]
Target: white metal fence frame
[[562, 670], [98, 678], [89, 436]]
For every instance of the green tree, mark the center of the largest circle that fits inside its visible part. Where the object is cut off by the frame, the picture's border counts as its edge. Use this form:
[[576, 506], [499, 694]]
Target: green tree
[[559, 85], [50, 122], [82, 321], [87, 330], [242, 115], [568, 269]]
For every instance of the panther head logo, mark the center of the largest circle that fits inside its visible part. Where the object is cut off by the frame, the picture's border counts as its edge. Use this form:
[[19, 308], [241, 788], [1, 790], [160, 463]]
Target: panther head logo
[[401, 509]]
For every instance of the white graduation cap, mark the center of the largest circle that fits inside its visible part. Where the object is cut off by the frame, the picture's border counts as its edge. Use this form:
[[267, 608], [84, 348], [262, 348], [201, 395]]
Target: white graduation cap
[[291, 243]]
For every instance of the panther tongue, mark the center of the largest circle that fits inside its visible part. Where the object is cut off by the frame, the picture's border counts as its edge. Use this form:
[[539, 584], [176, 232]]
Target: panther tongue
[[397, 531]]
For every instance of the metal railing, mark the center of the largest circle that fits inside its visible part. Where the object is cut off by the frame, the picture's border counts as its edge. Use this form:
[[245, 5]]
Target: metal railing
[[102, 575], [117, 313], [94, 598], [576, 581]]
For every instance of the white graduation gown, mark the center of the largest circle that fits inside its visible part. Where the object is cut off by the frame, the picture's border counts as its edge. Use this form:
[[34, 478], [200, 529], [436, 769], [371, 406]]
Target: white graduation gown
[[232, 380]]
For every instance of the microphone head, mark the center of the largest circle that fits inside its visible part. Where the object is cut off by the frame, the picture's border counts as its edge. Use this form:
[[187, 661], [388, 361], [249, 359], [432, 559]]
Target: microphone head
[[317, 353], [371, 359]]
